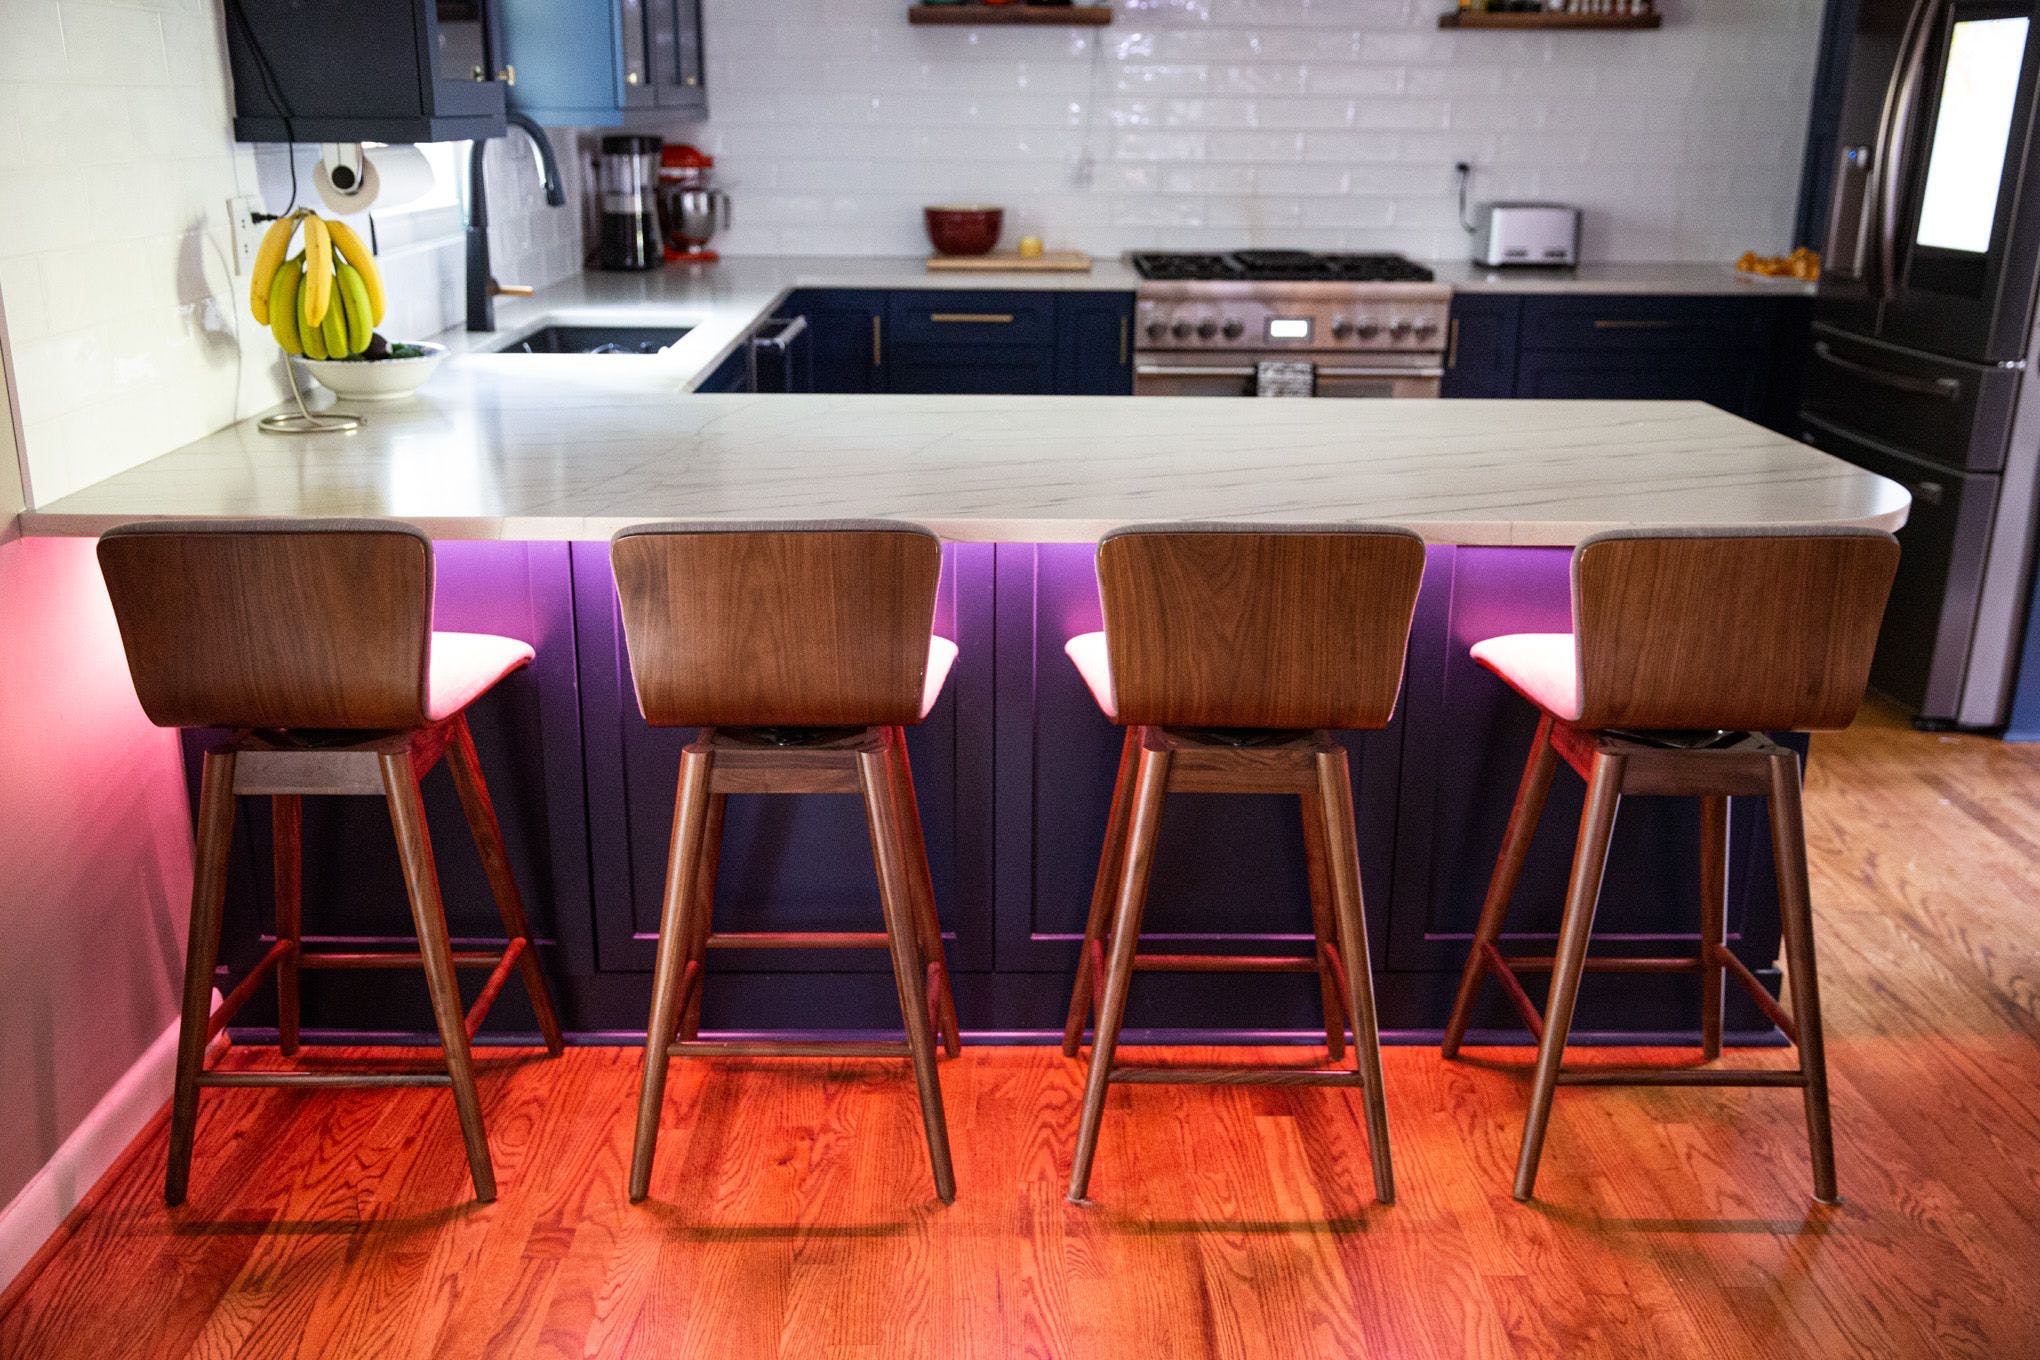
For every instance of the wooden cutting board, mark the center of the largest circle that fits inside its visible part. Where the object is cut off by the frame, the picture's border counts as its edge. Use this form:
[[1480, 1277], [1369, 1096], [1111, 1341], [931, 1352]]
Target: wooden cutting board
[[1060, 261]]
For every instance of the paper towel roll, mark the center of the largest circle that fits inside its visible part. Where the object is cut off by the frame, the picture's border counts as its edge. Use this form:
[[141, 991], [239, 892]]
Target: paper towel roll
[[391, 176]]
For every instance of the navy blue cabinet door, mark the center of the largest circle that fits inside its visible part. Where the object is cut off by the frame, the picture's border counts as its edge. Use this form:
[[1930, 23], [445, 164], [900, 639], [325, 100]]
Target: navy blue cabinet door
[[788, 863], [846, 332], [1229, 870], [1719, 378], [1480, 346], [1466, 738], [1094, 344], [981, 370]]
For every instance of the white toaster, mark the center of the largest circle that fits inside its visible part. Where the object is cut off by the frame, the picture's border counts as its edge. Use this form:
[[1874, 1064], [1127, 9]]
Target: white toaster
[[1526, 233]]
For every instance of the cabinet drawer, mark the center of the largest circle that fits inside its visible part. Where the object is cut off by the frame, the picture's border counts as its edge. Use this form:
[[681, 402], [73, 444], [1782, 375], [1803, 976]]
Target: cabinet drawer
[[1634, 323], [930, 316]]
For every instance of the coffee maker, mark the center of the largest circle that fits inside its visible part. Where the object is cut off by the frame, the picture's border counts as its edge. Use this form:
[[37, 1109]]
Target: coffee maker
[[692, 210], [626, 192]]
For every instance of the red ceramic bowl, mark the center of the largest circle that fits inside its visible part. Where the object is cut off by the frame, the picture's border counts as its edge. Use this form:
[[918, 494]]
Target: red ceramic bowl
[[964, 230]]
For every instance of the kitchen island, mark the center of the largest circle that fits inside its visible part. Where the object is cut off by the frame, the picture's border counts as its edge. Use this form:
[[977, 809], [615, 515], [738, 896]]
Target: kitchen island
[[539, 459]]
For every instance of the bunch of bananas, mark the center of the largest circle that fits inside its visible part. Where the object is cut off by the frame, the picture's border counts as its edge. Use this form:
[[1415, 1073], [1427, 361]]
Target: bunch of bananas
[[325, 301]]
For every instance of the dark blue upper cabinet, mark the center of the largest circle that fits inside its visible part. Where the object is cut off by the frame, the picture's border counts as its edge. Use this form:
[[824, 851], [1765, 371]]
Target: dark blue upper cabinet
[[374, 70], [605, 63]]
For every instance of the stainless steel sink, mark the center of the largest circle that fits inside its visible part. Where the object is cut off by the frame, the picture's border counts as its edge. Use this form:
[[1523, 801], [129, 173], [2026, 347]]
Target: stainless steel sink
[[593, 340]]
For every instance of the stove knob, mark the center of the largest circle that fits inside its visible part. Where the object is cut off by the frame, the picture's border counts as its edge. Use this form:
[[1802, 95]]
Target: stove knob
[[1425, 328], [1366, 328], [1156, 330], [1181, 330], [1341, 328], [1399, 329], [1233, 330], [1206, 329]]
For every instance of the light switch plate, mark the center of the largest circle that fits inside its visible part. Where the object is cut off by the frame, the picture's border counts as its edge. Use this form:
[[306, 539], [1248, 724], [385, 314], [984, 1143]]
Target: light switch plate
[[247, 231]]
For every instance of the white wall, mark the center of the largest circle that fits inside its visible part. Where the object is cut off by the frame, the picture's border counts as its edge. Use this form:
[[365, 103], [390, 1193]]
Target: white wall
[[1217, 123], [95, 880], [117, 159]]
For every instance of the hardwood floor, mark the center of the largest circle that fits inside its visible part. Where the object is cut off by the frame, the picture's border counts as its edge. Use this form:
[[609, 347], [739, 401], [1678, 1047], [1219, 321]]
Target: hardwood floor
[[792, 1215]]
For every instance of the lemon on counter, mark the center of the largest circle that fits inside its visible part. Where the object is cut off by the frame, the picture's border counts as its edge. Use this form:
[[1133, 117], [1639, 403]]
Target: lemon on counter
[[1030, 247]]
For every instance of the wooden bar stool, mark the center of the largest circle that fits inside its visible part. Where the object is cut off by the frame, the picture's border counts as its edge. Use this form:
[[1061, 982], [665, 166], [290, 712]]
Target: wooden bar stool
[[1688, 646], [309, 643], [1229, 654], [802, 652]]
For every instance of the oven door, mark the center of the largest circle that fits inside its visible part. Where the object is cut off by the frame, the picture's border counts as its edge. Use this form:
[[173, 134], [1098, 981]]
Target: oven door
[[1338, 375]]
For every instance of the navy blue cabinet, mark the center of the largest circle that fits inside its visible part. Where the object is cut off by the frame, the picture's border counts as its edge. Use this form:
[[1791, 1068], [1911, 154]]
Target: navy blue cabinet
[[1742, 354], [1480, 346], [1094, 344], [369, 71], [969, 341], [846, 336], [605, 63]]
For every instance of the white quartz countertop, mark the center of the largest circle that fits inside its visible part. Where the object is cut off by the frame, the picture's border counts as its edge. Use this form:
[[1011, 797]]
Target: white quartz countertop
[[576, 447], [722, 303]]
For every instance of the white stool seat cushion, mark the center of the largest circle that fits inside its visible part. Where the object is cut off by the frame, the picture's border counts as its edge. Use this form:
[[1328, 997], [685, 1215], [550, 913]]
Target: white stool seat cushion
[[941, 656], [465, 666], [1542, 667], [1094, 663]]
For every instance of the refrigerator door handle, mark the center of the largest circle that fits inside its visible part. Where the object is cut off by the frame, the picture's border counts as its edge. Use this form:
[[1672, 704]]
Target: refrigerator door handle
[[1948, 389], [1901, 101]]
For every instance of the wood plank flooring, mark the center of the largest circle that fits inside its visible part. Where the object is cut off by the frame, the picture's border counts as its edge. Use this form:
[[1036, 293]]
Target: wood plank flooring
[[792, 1212]]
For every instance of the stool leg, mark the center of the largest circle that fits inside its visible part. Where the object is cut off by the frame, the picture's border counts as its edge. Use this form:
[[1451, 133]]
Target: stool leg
[[473, 789], [1325, 928], [690, 822], [1342, 864], [702, 921], [421, 880], [208, 898], [1524, 816], [1795, 906], [1713, 919], [927, 924], [286, 839], [1583, 896], [876, 772], [1151, 782], [1103, 890]]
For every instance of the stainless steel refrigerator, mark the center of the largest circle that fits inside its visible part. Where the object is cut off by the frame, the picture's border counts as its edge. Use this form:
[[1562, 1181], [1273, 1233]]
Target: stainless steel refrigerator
[[1924, 332]]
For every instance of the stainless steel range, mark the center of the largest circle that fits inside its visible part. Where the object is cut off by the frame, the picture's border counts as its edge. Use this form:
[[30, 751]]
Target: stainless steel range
[[1288, 322]]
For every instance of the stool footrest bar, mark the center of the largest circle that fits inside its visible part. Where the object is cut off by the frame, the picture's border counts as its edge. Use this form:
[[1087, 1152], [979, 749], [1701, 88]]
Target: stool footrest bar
[[799, 939], [787, 1048], [493, 986], [234, 1000], [1677, 1076], [1512, 987], [1765, 1002], [328, 1079], [1237, 1076], [462, 958], [1610, 964], [1223, 963]]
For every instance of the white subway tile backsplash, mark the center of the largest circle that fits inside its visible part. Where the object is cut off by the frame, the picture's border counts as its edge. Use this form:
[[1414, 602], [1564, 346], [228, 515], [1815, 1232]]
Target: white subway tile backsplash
[[1208, 122]]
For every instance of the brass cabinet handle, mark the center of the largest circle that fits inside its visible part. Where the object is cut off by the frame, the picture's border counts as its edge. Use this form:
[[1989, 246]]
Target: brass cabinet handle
[[877, 341], [508, 75], [1642, 323], [975, 318], [1452, 343], [1125, 323]]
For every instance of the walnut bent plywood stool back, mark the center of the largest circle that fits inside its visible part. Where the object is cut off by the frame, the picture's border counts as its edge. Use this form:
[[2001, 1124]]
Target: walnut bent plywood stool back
[[802, 652], [308, 646], [1687, 647], [1230, 653]]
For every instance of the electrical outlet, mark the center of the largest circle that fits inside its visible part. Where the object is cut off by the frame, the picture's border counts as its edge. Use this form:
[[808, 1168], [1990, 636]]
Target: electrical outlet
[[247, 231]]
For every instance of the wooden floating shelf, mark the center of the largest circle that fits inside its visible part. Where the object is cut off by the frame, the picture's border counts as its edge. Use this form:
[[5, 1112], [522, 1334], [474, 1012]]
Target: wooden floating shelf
[[1083, 16], [1467, 18]]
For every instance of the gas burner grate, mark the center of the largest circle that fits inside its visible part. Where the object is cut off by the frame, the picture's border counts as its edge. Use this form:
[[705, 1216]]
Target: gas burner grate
[[1279, 266]]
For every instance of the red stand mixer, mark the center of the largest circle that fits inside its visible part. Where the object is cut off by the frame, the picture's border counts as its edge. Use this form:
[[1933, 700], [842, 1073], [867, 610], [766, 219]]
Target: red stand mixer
[[691, 211]]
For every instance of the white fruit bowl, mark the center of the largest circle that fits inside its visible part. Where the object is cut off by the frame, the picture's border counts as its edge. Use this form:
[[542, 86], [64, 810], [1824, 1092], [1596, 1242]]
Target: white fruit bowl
[[375, 379]]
